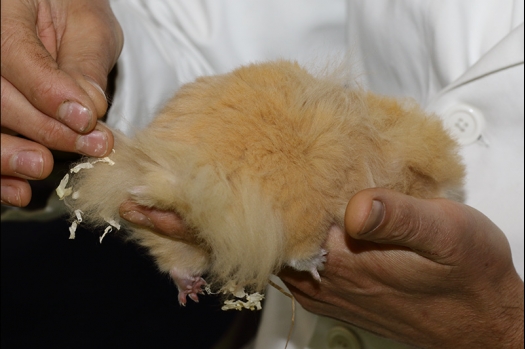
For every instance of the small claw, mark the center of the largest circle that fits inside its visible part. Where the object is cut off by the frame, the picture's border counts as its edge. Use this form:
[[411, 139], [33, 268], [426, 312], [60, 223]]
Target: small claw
[[188, 293], [194, 297], [312, 265], [189, 286], [315, 274], [182, 299]]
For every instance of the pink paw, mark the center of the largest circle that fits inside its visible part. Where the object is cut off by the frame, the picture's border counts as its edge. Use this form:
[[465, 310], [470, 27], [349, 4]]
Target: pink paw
[[312, 264], [189, 286]]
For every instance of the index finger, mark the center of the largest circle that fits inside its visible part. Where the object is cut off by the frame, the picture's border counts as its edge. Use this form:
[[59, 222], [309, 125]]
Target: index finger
[[27, 64]]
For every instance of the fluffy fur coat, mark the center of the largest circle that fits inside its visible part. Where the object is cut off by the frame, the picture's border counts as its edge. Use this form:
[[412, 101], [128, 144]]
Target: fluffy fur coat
[[260, 163]]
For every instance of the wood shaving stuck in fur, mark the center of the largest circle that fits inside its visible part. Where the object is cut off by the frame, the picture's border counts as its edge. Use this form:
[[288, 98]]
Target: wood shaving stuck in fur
[[82, 166], [72, 230], [236, 290], [78, 214], [63, 192], [113, 223], [253, 302], [108, 229], [88, 165], [74, 225], [106, 160], [250, 301]]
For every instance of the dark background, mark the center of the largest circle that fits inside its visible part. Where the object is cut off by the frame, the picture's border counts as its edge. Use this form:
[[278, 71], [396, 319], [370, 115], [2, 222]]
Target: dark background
[[61, 293]]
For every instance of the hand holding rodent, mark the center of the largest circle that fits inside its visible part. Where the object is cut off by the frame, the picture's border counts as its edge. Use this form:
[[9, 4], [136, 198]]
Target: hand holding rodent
[[259, 164], [431, 273], [53, 81]]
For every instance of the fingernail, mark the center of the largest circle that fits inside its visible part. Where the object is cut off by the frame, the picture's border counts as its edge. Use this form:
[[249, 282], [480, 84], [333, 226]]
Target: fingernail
[[11, 195], [74, 115], [28, 163], [95, 85], [137, 218], [377, 213], [94, 143]]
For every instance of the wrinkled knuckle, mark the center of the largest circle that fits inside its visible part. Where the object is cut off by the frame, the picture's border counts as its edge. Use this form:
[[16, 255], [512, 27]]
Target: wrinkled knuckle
[[52, 135], [8, 37], [41, 88], [403, 224]]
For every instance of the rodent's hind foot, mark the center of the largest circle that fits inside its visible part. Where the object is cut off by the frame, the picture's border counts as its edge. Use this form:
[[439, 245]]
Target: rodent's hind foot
[[189, 286]]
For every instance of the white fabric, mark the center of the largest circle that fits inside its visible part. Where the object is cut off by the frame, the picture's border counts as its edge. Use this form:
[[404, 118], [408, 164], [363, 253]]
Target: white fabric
[[447, 52], [169, 43], [443, 53]]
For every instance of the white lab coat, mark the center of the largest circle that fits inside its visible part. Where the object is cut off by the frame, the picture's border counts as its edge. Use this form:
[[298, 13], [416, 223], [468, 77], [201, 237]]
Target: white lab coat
[[464, 61], [460, 59]]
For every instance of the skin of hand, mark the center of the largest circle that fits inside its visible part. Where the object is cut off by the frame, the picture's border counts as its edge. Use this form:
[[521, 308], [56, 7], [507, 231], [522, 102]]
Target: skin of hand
[[429, 273], [55, 59], [163, 222]]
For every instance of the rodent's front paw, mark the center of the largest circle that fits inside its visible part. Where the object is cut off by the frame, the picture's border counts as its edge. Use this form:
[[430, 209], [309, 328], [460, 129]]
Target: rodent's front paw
[[312, 264]]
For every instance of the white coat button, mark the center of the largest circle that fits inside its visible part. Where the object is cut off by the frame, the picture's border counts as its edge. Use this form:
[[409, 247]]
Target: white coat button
[[465, 123], [342, 338]]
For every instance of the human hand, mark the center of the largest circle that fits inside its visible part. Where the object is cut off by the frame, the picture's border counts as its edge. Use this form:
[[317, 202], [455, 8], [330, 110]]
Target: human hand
[[166, 223], [56, 56], [430, 273]]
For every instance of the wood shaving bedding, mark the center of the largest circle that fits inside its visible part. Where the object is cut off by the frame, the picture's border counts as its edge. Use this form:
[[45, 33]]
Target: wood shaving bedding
[[63, 192]]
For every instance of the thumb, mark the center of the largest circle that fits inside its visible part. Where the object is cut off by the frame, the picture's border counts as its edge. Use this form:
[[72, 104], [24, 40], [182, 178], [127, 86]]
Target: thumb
[[430, 227], [90, 48], [164, 222]]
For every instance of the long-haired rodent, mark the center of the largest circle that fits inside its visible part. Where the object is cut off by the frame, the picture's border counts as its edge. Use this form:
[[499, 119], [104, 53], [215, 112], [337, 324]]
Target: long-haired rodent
[[260, 163]]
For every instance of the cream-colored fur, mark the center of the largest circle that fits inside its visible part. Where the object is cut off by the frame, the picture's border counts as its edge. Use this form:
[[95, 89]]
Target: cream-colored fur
[[260, 163]]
